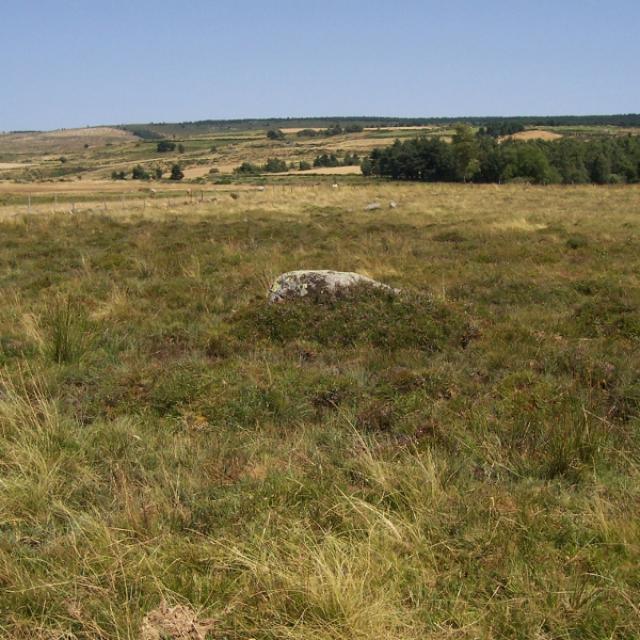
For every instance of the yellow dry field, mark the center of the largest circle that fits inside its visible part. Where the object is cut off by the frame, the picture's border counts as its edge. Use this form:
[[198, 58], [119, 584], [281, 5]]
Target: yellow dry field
[[198, 171], [62, 141], [534, 134], [81, 186], [364, 144], [14, 165], [327, 171], [294, 130], [414, 128], [101, 133]]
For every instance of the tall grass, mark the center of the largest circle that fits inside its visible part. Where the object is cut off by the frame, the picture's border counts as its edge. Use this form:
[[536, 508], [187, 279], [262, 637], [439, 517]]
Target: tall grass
[[67, 330]]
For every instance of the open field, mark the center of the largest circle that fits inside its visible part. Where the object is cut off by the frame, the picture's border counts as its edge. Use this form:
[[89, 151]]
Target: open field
[[61, 141], [535, 134], [56, 161], [462, 461]]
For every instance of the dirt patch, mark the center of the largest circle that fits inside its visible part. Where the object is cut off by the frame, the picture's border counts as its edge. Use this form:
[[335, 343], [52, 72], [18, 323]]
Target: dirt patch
[[174, 623]]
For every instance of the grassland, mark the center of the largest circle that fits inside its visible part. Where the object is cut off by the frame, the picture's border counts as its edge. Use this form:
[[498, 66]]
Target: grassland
[[84, 160], [461, 462]]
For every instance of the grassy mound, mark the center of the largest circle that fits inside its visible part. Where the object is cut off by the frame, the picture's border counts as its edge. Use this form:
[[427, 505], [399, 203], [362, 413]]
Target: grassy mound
[[368, 316]]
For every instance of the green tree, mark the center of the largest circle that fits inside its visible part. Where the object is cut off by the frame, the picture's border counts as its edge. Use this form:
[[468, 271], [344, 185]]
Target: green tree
[[275, 165], [600, 169], [275, 134], [465, 151], [176, 172], [139, 173], [247, 168], [165, 146]]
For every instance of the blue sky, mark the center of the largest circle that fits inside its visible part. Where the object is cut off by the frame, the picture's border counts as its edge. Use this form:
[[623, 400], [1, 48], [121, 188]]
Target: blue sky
[[67, 63]]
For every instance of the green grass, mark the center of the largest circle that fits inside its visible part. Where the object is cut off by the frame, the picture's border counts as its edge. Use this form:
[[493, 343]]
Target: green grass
[[461, 461]]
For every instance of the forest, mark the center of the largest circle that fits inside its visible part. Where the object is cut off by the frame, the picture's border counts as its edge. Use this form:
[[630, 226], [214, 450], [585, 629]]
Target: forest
[[479, 157]]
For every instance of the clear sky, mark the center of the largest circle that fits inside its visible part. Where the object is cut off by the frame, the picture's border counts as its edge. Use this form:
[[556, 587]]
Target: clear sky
[[66, 63]]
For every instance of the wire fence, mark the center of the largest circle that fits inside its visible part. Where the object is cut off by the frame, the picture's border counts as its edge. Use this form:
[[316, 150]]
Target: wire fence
[[17, 204]]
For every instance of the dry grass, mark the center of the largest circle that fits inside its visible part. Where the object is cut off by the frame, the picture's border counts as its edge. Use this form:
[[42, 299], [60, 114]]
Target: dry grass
[[62, 141], [326, 171], [413, 128], [177, 457], [535, 134], [294, 130]]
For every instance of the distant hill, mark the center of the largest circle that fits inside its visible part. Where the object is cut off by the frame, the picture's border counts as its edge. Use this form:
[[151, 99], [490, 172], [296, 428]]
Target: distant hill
[[154, 130]]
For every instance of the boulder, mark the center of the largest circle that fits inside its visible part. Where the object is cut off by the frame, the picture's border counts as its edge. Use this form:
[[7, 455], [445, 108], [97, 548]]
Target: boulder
[[372, 206], [319, 284]]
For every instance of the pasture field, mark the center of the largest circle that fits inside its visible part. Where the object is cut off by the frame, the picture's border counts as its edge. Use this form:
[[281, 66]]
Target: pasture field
[[180, 459], [86, 159]]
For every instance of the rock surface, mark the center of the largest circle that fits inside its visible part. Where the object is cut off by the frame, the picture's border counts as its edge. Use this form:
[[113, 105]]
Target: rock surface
[[372, 206], [318, 284]]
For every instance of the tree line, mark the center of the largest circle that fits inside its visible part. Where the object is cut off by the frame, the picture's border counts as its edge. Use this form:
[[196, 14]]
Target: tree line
[[617, 120], [277, 165], [157, 173], [333, 130], [482, 158]]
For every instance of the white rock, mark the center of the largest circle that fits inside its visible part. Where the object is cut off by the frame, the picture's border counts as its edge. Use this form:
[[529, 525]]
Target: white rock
[[393, 204], [319, 283], [372, 206]]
